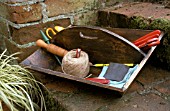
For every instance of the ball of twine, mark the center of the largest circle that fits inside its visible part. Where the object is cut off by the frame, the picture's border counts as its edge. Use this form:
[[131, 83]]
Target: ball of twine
[[76, 66]]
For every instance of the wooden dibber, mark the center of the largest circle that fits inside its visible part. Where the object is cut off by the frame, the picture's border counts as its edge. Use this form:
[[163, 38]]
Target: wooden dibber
[[56, 50]]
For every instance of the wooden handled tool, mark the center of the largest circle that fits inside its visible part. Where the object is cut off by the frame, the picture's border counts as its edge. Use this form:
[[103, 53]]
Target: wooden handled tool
[[52, 48]]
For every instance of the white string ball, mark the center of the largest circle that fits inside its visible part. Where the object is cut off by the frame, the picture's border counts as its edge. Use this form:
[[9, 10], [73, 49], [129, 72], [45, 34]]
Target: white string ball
[[76, 66]]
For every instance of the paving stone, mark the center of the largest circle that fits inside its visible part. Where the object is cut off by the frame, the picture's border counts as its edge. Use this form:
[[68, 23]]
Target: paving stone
[[98, 100], [150, 74], [149, 102], [91, 99], [134, 87], [164, 87]]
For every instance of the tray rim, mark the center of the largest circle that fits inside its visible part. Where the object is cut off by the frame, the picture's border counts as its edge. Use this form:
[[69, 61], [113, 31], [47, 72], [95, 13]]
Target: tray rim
[[82, 80]]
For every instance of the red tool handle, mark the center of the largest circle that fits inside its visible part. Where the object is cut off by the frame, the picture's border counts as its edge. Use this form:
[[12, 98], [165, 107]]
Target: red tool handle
[[146, 39], [103, 81], [147, 35], [149, 43], [153, 42]]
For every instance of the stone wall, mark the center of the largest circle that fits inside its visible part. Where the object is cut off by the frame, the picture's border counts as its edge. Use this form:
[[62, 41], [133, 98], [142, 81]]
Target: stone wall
[[22, 20]]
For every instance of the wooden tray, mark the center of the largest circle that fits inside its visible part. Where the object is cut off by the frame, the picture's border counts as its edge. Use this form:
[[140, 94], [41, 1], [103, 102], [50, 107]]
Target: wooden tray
[[104, 45]]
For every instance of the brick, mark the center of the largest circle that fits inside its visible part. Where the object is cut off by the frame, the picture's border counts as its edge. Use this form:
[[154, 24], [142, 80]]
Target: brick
[[21, 14], [32, 33], [108, 17], [103, 18], [24, 14], [58, 7], [118, 20]]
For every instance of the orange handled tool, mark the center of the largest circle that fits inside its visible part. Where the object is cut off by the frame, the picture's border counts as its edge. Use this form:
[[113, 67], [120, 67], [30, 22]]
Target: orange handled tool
[[52, 48]]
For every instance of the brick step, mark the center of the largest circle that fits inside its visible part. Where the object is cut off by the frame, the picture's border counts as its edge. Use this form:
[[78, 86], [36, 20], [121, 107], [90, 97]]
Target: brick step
[[122, 15]]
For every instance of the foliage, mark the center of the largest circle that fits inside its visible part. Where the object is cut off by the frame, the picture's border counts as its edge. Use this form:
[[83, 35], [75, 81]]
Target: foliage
[[18, 88], [139, 22]]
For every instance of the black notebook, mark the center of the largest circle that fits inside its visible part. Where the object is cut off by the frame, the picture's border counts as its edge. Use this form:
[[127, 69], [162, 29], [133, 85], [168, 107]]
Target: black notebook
[[116, 71]]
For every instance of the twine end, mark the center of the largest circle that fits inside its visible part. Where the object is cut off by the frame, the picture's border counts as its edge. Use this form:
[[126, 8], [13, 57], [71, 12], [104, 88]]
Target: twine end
[[78, 52]]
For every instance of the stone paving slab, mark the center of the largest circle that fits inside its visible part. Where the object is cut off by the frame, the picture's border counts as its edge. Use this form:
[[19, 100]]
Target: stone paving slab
[[153, 96], [121, 15], [164, 87], [139, 9], [148, 77]]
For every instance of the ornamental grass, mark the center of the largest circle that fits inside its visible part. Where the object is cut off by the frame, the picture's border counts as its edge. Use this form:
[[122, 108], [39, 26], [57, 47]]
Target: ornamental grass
[[19, 91]]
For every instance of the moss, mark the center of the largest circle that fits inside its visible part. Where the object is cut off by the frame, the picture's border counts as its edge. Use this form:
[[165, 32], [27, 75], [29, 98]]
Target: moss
[[162, 24], [52, 104], [139, 23], [163, 51]]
